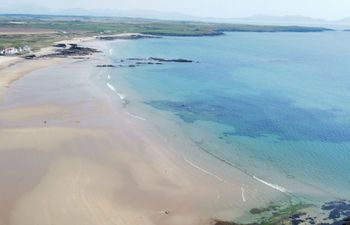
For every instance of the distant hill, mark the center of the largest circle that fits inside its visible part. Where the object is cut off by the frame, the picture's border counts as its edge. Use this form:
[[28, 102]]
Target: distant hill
[[151, 14], [299, 20], [147, 14]]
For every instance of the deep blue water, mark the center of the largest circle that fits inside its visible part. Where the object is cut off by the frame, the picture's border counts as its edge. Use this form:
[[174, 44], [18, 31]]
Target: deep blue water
[[273, 101]]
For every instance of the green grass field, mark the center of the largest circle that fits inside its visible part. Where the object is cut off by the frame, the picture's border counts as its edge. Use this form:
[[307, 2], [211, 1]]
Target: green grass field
[[66, 27]]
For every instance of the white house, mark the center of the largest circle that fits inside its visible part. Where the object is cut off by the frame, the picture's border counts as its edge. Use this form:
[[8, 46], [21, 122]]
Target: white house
[[14, 51]]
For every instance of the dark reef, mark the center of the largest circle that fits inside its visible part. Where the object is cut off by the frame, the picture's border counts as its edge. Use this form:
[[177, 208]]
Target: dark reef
[[135, 62], [60, 45], [338, 210], [260, 116], [171, 60], [336, 213]]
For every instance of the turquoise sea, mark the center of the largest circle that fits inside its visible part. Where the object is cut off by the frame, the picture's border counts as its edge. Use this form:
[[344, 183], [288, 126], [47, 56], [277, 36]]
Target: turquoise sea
[[274, 105]]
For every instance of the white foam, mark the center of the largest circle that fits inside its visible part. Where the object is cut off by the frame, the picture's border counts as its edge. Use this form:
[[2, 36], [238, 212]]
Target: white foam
[[203, 170], [243, 196], [111, 87], [111, 51], [121, 96], [135, 116], [274, 186], [109, 77]]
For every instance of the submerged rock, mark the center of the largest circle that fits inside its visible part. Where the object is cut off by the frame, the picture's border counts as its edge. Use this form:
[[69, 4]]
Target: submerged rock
[[337, 209], [220, 222], [170, 60], [105, 65], [135, 59], [152, 61]]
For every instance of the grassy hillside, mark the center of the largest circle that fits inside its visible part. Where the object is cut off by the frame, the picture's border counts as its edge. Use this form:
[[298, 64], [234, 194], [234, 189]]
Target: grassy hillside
[[76, 26]]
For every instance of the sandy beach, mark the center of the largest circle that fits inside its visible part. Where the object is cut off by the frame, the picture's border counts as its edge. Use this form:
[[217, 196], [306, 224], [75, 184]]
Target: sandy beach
[[70, 154]]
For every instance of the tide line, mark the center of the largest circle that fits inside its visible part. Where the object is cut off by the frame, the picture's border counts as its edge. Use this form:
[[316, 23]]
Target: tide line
[[121, 96], [243, 196], [274, 186], [135, 116], [203, 170]]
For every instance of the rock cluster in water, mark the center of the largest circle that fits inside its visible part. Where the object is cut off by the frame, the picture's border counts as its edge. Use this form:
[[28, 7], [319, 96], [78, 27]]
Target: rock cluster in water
[[335, 213], [338, 212], [135, 62], [105, 65]]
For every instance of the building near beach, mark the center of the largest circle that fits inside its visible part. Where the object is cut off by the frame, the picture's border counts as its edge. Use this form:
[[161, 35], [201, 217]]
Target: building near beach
[[15, 51], [9, 51]]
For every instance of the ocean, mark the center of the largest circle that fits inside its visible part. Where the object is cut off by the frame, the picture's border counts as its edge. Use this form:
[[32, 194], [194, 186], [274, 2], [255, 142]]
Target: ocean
[[273, 105]]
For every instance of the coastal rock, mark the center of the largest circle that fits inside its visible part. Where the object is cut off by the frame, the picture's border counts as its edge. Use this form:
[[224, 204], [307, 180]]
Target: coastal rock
[[337, 209], [60, 45], [170, 60], [108, 65], [150, 61], [135, 59], [74, 50], [220, 222], [32, 56]]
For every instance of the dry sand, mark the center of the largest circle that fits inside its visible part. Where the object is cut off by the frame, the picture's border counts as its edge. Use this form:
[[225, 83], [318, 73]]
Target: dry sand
[[69, 154], [16, 68], [7, 61]]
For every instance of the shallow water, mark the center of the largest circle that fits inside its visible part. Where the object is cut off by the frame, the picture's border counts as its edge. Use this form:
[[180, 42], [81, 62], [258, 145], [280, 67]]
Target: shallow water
[[274, 105]]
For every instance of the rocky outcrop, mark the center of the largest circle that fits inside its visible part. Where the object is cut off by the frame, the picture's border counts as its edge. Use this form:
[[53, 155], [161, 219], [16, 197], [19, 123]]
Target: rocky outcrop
[[32, 56], [170, 60], [126, 37], [60, 45], [104, 66], [74, 50], [136, 62]]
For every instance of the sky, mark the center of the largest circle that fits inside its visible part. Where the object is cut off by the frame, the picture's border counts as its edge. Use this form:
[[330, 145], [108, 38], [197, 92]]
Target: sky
[[324, 9]]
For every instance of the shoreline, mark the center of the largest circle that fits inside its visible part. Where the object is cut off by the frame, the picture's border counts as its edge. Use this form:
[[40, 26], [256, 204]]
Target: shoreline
[[58, 120], [13, 68], [302, 195], [99, 162]]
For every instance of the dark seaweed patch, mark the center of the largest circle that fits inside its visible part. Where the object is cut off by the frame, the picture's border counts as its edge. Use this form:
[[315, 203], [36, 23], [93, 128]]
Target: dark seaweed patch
[[262, 115], [338, 210], [271, 208], [337, 213]]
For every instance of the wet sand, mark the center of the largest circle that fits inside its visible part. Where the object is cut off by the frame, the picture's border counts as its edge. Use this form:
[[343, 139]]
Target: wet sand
[[69, 154]]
